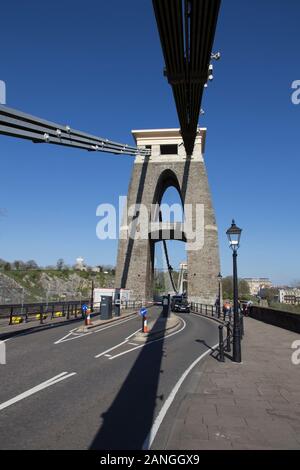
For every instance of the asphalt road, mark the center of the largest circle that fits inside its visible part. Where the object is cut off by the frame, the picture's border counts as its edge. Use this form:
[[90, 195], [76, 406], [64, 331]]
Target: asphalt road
[[105, 402]]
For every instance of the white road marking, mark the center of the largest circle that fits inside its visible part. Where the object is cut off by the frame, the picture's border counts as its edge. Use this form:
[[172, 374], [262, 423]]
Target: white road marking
[[37, 388], [117, 345], [107, 355], [133, 344], [159, 419], [147, 344], [110, 349], [76, 336], [80, 335]]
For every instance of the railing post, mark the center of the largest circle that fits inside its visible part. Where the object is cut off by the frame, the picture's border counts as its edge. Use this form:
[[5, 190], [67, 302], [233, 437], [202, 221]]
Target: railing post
[[228, 339], [68, 312], [26, 314], [221, 344], [205, 309], [41, 313], [11, 315], [52, 312], [75, 310]]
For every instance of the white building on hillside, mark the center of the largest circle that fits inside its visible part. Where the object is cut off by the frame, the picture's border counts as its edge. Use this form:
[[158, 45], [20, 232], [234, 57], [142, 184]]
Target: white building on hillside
[[289, 295]]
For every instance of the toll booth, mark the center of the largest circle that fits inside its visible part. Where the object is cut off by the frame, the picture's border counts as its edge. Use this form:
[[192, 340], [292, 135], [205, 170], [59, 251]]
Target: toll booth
[[106, 307]]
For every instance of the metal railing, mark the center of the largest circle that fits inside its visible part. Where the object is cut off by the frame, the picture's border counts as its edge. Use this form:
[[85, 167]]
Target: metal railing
[[225, 343], [204, 309], [226, 320], [19, 313], [45, 311]]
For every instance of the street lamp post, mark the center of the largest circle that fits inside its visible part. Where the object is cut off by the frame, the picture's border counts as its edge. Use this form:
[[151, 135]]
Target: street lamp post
[[220, 301], [234, 235], [92, 293]]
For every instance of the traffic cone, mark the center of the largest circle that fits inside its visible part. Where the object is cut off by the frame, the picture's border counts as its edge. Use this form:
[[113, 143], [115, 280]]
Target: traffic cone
[[145, 326], [88, 319]]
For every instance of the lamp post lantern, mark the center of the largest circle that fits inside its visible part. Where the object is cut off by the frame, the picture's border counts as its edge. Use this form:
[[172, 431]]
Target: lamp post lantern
[[234, 235], [220, 301]]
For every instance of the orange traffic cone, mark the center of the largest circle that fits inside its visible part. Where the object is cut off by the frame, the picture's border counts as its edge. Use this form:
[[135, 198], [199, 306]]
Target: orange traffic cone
[[145, 326], [88, 319]]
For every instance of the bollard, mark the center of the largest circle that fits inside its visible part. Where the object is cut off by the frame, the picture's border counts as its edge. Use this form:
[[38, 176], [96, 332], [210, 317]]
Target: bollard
[[41, 313], [221, 344], [228, 339]]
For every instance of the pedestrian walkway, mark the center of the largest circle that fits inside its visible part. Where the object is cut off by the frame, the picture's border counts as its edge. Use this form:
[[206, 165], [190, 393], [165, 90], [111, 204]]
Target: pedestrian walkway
[[253, 405]]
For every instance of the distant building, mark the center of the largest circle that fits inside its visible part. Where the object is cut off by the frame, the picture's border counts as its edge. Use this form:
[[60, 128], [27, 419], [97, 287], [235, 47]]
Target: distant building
[[289, 295], [80, 266], [256, 284], [95, 269]]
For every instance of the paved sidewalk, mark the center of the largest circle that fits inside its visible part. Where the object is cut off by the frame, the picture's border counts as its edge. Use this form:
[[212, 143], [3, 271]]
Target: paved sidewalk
[[253, 405]]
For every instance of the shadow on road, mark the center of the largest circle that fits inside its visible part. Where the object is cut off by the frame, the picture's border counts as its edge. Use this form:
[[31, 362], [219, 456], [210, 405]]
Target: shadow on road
[[128, 421]]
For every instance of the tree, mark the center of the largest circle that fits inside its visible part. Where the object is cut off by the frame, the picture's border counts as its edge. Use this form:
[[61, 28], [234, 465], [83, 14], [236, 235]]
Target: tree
[[31, 264], [244, 290], [7, 267], [269, 293], [227, 285], [2, 263], [18, 264], [60, 264]]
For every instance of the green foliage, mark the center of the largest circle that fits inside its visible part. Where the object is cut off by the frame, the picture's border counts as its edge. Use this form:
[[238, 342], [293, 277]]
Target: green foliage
[[285, 307], [270, 294], [243, 288]]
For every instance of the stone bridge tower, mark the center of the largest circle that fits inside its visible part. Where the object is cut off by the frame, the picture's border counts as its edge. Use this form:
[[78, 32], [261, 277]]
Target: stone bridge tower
[[168, 165]]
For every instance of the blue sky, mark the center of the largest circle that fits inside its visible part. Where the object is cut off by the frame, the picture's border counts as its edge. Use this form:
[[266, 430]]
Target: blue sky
[[97, 66]]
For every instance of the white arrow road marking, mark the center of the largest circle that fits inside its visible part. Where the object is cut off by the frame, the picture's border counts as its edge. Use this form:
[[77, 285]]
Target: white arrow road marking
[[81, 335], [37, 388], [137, 347], [159, 419], [117, 345], [150, 342]]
